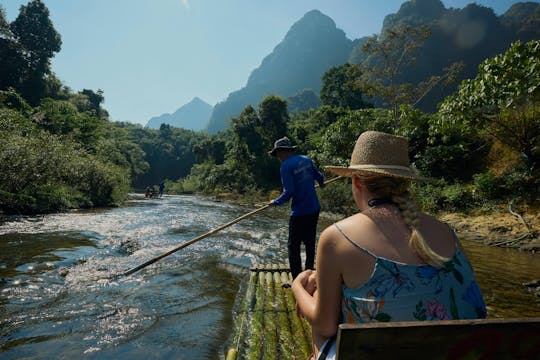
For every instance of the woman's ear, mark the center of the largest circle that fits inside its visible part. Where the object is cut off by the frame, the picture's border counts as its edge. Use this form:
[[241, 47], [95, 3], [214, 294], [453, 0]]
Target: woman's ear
[[357, 183]]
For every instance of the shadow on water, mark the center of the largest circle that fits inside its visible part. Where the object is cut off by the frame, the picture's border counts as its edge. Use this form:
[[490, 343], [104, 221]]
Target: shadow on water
[[22, 252]]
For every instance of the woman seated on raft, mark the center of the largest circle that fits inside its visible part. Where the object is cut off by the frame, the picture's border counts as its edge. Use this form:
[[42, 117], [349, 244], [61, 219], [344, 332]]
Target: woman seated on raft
[[389, 262]]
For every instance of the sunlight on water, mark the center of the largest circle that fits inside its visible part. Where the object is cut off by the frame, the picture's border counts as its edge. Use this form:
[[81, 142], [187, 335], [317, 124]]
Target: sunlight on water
[[61, 289]]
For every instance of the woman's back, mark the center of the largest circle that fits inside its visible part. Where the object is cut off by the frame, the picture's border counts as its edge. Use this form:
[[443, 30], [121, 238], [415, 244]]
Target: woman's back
[[385, 279]]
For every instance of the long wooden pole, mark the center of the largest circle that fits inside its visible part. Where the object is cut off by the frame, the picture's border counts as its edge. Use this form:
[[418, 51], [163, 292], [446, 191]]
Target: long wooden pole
[[200, 237]]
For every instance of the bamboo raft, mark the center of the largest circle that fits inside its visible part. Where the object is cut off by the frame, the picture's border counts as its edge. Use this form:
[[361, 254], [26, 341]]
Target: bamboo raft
[[266, 327]]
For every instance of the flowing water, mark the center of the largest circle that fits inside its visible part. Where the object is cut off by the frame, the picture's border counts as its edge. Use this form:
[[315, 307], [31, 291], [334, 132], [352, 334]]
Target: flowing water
[[59, 298]]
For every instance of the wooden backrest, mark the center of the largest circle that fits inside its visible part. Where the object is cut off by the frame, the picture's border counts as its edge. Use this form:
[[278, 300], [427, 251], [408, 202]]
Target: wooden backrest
[[454, 339]]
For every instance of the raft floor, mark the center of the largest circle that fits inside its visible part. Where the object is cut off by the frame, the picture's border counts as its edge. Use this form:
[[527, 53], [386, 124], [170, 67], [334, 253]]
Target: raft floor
[[266, 325]]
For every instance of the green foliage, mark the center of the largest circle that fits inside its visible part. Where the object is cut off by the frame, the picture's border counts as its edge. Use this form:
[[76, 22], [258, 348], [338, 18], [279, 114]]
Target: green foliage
[[53, 158], [167, 153], [59, 150], [522, 184], [273, 116], [502, 100], [303, 101], [488, 185], [210, 148], [341, 88], [307, 127], [94, 99], [34, 43], [53, 198], [106, 184], [210, 178], [17, 203], [336, 198], [452, 158], [12, 100], [456, 197], [434, 197], [336, 143]]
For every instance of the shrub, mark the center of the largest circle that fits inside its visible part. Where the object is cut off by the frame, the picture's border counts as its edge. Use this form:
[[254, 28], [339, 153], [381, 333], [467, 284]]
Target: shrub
[[442, 196], [457, 197], [337, 198], [488, 185], [522, 183], [17, 203]]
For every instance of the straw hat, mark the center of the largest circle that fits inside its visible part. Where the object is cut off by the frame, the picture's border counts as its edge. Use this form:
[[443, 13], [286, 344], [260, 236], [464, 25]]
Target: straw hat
[[282, 144], [379, 153]]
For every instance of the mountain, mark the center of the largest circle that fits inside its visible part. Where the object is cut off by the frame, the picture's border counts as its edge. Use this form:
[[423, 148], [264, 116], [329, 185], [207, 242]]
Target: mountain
[[523, 19], [314, 44], [311, 46], [469, 35], [192, 116]]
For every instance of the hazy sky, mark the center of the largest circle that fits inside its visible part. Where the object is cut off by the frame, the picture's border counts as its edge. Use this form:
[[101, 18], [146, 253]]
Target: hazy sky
[[152, 56]]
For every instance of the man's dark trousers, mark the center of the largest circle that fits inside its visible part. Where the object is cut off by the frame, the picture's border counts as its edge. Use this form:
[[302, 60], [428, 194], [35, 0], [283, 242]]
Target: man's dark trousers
[[302, 229]]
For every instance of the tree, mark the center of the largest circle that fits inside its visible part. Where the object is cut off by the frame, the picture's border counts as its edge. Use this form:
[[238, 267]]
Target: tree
[[246, 129], [303, 101], [341, 88], [95, 99], [4, 24], [11, 59], [503, 100], [388, 56], [39, 41], [273, 117]]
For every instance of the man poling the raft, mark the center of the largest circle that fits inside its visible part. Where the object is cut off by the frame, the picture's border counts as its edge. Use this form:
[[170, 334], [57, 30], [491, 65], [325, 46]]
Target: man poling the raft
[[298, 177]]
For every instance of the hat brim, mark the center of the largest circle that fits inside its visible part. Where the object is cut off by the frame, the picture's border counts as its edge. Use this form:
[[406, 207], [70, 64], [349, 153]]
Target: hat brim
[[276, 149], [397, 173]]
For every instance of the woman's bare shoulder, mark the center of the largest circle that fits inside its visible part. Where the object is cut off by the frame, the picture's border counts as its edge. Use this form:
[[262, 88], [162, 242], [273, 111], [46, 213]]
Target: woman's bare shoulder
[[334, 231], [349, 227], [438, 235], [434, 224]]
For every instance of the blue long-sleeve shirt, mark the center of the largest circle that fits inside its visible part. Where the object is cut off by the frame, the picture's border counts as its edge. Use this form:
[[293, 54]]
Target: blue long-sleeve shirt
[[298, 176]]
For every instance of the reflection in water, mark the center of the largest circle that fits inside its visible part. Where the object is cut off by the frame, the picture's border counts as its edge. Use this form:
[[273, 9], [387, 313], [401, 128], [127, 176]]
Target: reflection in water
[[59, 293], [501, 274]]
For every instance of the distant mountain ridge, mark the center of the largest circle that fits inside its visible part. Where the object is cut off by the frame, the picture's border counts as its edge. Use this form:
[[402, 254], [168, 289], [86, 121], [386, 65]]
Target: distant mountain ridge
[[314, 44], [298, 62], [192, 116]]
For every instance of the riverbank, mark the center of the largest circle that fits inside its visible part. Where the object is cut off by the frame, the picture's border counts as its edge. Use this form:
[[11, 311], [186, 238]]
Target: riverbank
[[520, 230], [498, 229]]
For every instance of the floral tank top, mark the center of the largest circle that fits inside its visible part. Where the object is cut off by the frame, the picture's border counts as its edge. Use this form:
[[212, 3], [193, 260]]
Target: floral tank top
[[410, 292]]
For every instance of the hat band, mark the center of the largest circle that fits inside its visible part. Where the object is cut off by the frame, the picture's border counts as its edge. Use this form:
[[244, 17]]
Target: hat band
[[370, 166]]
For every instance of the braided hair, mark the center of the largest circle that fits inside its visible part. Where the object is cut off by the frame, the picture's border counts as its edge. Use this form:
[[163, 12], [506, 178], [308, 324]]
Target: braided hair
[[397, 190]]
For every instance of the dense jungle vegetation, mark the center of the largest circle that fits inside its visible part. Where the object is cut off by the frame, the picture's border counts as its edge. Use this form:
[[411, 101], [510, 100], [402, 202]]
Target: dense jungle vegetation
[[59, 150]]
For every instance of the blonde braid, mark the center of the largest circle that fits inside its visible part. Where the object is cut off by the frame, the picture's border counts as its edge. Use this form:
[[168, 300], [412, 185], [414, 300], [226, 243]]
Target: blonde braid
[[398, 191], [411, 216]]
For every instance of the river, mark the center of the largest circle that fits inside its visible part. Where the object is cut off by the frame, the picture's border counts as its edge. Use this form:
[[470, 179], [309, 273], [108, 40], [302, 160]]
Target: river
[[60, 299]]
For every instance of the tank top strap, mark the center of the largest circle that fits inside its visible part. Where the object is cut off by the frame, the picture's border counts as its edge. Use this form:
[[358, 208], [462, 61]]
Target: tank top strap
[[355, 244]]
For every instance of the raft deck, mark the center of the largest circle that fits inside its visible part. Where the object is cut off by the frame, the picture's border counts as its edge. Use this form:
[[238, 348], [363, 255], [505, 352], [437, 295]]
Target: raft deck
[[266, 326]]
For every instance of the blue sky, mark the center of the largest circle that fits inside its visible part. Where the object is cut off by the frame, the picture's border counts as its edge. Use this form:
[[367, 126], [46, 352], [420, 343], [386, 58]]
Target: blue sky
[[152, 56]]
